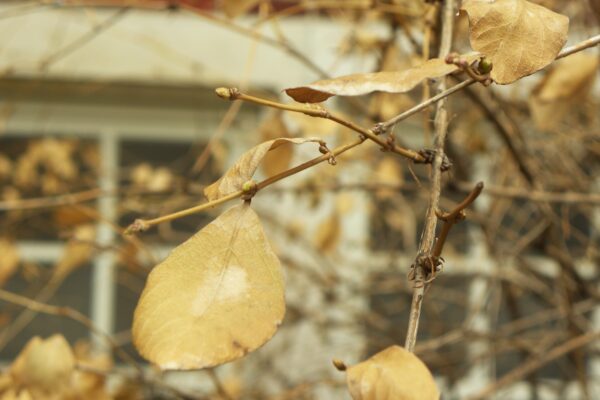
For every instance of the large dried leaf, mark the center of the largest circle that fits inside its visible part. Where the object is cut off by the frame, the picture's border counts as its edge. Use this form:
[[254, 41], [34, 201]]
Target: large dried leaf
[[44, 366], [519, 37], [563, 90], [245, 167], [386, 81], [215, 298], [392, 374]]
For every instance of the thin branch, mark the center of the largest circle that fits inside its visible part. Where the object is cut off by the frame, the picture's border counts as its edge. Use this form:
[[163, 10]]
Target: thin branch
[[428, 235], [72, 314], [140, 225], [319, 112], [86, 38], [537, 362], [454, 217]]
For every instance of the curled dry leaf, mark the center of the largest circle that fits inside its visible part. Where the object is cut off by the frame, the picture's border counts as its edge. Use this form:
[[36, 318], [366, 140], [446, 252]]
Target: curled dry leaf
[[386, 81], [215, 298], [44, 366], [279, 159], [391, 374], [563, 89], [245, 167], [519, 37]]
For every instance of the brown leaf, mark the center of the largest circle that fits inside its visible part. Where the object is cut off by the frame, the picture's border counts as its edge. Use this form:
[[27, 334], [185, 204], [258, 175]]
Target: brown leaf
[[234, 8], [44, 366], [386, 81], [563, 89], [9, 260], [392, 374], [245, 167], [279, 159], [215, 298], [519, 37]]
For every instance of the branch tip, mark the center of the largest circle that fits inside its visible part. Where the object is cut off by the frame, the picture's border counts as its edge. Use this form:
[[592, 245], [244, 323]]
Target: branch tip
[[227, 93]]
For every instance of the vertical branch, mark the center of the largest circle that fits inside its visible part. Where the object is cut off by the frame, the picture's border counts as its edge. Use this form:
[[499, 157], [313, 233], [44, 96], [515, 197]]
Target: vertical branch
[[428, 235]]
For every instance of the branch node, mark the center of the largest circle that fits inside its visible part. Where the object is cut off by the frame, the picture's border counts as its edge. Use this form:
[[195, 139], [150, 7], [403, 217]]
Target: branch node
[[428, 157], [379, 128], [228, 93], [139, 225], [249, 189]]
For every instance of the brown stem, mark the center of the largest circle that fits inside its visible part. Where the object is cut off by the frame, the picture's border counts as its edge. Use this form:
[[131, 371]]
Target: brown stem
[[141, 225], [428, 235], [320, 112]]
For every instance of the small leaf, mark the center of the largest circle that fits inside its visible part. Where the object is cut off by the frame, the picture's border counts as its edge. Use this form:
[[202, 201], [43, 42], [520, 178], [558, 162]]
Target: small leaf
[[519, 37], [387, 81], [215, 298], [44, 366], [392, 374], [243, 170]]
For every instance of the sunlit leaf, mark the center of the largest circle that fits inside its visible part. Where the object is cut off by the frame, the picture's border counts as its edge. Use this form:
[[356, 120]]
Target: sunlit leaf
[[386, 81], [44, 366], [245, 167], [519, 37], [392, 374], [215, 298]]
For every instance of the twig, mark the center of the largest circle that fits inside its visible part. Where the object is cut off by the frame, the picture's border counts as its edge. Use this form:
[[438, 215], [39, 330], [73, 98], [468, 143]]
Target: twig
[[428, 235], [454, 217], [537, 362], [84, 39], [235, 94], [140, 225], [72, 314]]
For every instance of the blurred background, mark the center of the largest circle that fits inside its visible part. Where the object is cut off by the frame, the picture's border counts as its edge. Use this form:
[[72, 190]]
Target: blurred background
[[108, 113]]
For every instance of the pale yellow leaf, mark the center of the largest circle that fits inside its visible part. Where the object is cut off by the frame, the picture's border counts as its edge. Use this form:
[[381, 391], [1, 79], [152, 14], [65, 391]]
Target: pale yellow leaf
[[563, 89], [215, 298], [279, 159], [519, 37], [386, 81], [44, 366], [9, 260], [234, 8], [392, 374], [245, 167]]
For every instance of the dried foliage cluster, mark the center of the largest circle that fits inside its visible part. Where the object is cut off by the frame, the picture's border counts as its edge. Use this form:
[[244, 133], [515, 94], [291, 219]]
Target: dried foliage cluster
[[221, 294]]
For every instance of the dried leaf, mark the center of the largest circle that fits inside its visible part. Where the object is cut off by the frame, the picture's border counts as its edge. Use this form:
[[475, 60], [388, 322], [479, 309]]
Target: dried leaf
[[9, 260], [234, 8], [215, 298], [563, 90], [386, 81], [78, 250], [392, 374], [328, 234], [44, 366], [519, 37], [279, 159], [243, 170]]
